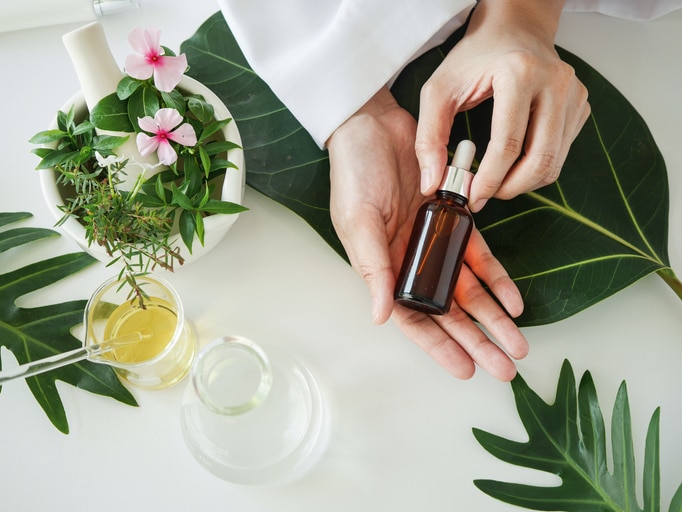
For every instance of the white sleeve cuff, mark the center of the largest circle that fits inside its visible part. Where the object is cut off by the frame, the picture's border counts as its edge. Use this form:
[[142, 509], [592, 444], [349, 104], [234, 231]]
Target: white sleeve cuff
[[324, 60], [642, 10]]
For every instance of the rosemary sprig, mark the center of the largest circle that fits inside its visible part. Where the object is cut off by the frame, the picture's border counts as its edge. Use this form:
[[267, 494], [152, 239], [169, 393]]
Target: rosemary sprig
[[134, 235]]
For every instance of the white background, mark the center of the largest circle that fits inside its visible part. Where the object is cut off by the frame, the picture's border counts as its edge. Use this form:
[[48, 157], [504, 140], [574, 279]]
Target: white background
[[400, 436]]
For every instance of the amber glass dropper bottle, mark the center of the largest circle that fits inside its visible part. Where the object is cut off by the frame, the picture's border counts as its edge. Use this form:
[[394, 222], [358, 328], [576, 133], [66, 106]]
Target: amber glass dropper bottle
[[439, 238]]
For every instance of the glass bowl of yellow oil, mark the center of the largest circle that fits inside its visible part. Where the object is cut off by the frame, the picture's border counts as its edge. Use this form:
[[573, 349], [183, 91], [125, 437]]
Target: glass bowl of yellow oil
[[163, 344]]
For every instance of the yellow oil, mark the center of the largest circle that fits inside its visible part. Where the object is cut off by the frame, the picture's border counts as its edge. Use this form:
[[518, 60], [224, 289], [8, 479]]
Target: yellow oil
[[157, 320]]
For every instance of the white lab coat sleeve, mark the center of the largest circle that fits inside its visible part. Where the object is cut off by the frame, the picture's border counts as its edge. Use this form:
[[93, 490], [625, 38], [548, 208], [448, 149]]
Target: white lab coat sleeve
[[325, 58], [642, 10]]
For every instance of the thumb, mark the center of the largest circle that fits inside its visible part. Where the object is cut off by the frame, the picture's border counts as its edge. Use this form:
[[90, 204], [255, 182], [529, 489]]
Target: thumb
[[367, 249]]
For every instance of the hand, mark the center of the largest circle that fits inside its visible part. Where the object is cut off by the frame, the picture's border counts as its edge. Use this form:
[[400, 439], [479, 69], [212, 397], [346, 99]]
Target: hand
[[374, 199], [539, 104]]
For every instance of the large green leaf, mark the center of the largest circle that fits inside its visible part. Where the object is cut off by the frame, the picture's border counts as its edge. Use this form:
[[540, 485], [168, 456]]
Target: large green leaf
[[282, 160], [568, 439], [600, 228], [44, 331]]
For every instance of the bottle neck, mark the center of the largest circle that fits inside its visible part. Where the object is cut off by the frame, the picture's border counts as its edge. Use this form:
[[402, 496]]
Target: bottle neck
[[452, 196], [232, 376]]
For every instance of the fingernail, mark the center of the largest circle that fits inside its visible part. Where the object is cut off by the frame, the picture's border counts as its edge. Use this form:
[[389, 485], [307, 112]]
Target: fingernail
[[375, 311], [427, 180], [478, 205], [379, 313]]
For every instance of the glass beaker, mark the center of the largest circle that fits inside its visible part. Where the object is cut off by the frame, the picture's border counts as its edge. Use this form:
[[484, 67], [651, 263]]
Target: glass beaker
[[167, 346], [251, 417]]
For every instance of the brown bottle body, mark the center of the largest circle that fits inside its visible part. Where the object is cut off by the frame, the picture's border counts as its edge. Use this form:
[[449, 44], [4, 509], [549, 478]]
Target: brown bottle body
[[435, 254]]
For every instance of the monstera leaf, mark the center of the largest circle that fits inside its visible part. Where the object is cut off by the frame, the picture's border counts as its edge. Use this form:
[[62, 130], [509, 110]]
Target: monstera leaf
[[601, 227], [568, 439], [44, 331]]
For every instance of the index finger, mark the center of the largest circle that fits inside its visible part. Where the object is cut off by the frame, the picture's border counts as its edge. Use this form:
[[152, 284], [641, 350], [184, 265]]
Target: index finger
[[511, 112], [436, 116]]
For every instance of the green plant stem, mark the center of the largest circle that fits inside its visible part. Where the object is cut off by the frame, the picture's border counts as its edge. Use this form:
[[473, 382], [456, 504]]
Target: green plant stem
[[668, 275]]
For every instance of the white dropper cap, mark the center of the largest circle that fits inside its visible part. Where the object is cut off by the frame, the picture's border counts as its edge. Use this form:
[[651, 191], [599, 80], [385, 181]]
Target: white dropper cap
[[458, 176]]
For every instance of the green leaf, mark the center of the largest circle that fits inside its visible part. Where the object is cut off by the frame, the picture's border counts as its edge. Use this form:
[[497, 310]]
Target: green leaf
[[220, 146], [149, 200], [44, 331], [174, 99], [181, 199], [57, 157], [111, 114], [127, 86], [42, 152], [217, 206], [187, 225], [568, 439], [213, 127], [676, 503], [108, 142], [205, 198], [282, 160], [205, 160], [199, 224], [143, 102], [11, 217], [167, 51], [47, 136], [218, 165], [86, 127], [592, 233], [602, 226], [160, 190], [65, 120], [652, 473], [200, 108], [11, 238]]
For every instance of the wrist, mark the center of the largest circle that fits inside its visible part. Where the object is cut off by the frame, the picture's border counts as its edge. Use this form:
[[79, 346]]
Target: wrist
[[381, 102], [539, 17]]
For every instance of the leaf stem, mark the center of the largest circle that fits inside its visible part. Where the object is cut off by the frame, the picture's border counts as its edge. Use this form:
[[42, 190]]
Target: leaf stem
[[668, 275]]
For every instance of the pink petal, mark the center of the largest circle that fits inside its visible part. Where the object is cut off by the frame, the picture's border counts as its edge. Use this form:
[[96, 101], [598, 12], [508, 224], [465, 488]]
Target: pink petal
[[146, 145], [184, 135], [168, 72], [138, 67], [167, 119], [167, 154], [147, 124], [145, 40]]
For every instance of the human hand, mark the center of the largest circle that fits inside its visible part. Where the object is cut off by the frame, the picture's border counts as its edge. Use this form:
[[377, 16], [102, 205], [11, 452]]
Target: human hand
[[539, 105], [374, 199]]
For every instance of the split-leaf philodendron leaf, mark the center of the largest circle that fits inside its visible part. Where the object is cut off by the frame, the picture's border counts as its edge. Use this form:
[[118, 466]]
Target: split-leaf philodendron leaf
[[44, 331], [568, 438], [602, 226]]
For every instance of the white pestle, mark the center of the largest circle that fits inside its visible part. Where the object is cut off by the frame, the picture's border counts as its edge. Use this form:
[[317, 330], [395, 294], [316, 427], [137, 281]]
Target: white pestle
[[99, 74]]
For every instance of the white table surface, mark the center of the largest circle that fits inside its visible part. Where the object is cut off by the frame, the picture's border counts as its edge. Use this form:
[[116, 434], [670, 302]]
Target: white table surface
[[400, 436]]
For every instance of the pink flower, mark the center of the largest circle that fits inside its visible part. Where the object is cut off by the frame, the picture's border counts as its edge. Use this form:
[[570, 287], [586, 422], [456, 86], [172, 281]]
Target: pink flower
[[161, 126], [150, 60]]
